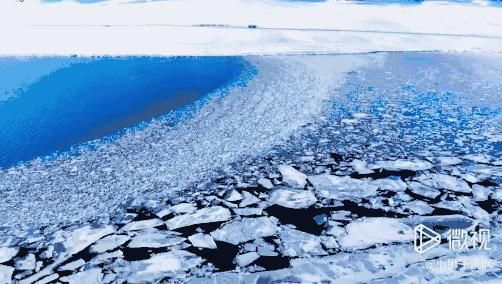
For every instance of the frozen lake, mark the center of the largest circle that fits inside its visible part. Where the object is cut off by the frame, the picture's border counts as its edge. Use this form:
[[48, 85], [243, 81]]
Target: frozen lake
[[52, 104]]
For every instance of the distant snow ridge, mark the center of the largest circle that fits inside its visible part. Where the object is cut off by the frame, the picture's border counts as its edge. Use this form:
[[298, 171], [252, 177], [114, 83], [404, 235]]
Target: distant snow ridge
[[287, 92]]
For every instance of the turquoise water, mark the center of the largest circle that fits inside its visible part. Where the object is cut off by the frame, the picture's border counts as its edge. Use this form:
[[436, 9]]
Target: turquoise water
[[62, 102]]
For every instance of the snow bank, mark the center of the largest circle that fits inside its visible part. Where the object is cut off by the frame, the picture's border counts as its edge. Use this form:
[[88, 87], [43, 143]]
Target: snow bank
[[198, 27]]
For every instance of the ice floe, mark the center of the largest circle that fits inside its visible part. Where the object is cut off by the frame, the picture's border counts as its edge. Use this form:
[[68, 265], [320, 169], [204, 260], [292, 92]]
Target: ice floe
[[201, 216], [6, 274], [248, 199], [72, 265], [339, 188], [182, 208], [109, 243], [26, 263], [412, 165], [292, 177], [200, 240], [297, 243], [369, 231], [244, 230], [160, 265], [266, 183], [143, 224], [292, 198], [154, 239], [7, 253], [246, 259], [91, 276], [446, 182]]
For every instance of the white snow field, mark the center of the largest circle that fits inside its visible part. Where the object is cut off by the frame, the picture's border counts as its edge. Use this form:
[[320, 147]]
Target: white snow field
[[221, 27]]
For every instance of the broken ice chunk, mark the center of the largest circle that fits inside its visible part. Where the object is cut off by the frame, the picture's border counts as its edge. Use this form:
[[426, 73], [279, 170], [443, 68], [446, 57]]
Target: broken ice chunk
[[202, 241], [246, 259], [497, 195], [412, 165], [480, 192], [27, 263], [201, 216], [234, 196], [478, 158], [160, 265], [154, 238], [248, 211], [7, 253], [297, 243], [109, 243], [6, 273], [240, 231], [391, 183], [419, 207], [143, 224], [49, 279], [72, 265], [292, 198], [340, 188], [183, 208], [329, 242], [446, 161], [361, 167], [266, 183], [248, 199], [85, 236], [48, 252], [422, 190], [292, 176], [447, 182], [368, 231], [107, 255], [91, 276]]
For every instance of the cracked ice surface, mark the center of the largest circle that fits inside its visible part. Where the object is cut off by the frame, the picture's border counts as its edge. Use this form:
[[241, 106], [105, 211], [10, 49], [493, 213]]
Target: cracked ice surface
[[286, 93], [435, 142]]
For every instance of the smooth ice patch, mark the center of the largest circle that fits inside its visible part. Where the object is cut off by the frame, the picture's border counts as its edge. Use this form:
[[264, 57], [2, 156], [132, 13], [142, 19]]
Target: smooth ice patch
[[341, 188], [292, 198], [240, 231], [369, 231]]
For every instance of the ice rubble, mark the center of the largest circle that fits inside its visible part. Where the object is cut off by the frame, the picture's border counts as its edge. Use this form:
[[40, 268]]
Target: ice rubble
[[273, 239], [286, 93]]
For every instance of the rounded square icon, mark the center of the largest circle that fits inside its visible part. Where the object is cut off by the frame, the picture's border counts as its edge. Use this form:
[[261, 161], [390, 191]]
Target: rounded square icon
[[425, 238]]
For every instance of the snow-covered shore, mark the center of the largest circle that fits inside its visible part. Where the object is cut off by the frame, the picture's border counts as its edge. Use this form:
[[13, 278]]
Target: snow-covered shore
[[196, 27]]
